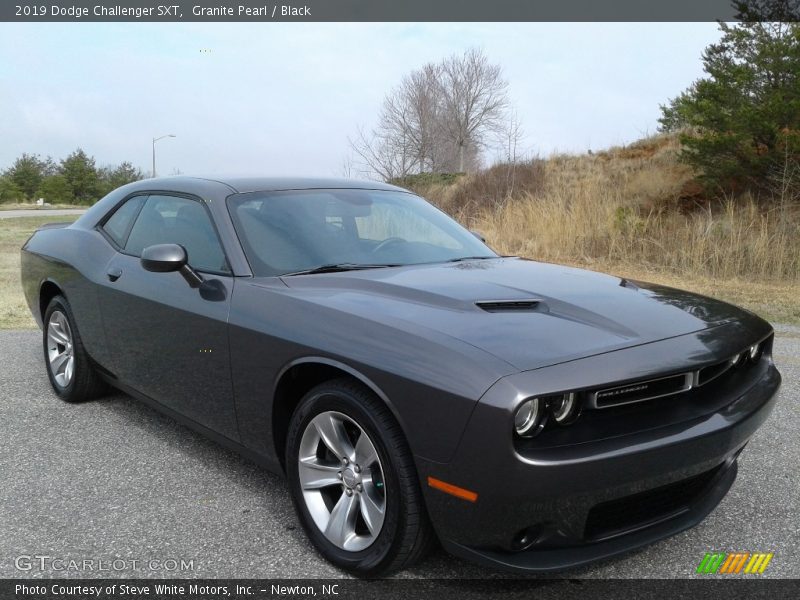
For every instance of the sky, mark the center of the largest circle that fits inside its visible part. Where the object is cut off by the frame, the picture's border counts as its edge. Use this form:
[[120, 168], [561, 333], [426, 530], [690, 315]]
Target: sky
[[282, 98]]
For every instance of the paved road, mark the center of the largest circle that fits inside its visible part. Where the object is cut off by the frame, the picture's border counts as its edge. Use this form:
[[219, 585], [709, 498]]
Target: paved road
[[40, 212], [113, 479]]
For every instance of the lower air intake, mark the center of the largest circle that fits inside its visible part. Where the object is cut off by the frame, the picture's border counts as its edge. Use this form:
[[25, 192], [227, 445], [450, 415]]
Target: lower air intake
[[646, 508]]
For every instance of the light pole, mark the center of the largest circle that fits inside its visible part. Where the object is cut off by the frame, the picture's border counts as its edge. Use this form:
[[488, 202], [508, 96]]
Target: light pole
[[155, 139]]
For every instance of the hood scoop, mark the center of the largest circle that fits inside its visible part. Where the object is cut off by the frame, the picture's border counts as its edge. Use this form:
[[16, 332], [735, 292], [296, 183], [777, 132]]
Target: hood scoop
[[521, 305]]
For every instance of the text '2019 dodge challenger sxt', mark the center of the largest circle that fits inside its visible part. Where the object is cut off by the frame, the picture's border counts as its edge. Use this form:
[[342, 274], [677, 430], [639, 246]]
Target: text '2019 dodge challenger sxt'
[[411, 384]]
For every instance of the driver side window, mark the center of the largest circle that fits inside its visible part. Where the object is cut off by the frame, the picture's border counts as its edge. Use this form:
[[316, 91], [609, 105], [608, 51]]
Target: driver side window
[[175, 220]]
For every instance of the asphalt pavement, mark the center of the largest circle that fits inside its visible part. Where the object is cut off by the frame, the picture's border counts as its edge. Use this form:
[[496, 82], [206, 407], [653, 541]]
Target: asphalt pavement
[[113, 480]]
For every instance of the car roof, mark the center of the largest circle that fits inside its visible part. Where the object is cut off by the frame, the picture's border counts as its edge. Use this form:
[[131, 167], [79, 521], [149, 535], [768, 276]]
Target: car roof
[[267, 184]]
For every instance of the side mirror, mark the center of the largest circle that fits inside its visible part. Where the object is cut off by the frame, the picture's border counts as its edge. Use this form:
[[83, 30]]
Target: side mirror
[[478, 235], [168, 258], [164, 258]]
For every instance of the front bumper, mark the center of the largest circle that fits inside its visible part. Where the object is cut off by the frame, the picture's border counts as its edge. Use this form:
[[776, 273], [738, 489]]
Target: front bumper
[[561, 507]]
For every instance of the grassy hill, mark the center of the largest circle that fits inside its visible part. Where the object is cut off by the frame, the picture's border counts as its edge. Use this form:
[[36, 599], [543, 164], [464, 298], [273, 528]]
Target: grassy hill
[[635, 211]]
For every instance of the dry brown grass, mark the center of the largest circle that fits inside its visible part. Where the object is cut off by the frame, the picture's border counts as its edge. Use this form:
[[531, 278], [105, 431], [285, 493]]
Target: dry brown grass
[[626, 211], [14, 313], [737, 241]]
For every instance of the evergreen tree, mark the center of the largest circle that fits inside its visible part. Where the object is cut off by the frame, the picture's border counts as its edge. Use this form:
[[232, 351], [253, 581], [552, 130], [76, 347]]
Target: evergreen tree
[[81, 175], [9, 191], [55, 189], [741, 123], [28, 172]]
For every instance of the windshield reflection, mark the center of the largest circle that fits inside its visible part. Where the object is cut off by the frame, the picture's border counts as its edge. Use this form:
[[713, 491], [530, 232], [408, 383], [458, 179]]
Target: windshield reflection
[[312, 231]]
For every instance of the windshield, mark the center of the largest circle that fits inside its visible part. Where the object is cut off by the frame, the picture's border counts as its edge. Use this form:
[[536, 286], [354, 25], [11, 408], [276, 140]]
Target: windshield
[[293, 231]]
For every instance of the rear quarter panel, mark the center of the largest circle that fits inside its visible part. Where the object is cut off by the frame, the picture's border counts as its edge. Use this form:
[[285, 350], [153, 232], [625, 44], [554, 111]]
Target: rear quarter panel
[[74, 260]]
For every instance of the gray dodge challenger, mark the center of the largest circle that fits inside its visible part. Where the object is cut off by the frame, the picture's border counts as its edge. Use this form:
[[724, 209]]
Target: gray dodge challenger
[[413, 385]]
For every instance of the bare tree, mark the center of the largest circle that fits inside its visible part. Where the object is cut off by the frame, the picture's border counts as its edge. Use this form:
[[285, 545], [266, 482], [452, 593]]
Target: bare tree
[[411, 112], [474, 100], [404, 139], [348, 166], [383, 152], [436, 120], [511, 135]]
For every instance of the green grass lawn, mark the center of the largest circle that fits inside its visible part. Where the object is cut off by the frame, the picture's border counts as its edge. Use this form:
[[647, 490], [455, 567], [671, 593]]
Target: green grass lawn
[[32, 206], [14, 313]]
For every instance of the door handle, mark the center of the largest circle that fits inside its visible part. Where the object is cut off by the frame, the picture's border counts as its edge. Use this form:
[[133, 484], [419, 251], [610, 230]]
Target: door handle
[[114, 273]]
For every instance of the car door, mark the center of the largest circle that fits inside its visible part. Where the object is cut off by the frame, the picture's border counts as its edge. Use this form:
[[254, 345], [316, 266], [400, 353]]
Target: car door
[[166, 339]]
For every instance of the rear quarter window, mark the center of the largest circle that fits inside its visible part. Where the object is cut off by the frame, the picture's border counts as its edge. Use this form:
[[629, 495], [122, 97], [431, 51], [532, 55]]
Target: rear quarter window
[[119, 224]]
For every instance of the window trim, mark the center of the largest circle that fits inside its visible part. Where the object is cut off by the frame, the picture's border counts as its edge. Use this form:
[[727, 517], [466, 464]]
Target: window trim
[[172, 194]]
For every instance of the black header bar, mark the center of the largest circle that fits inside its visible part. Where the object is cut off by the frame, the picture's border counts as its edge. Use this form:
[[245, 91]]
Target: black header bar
[[398, 589], [379, 10]]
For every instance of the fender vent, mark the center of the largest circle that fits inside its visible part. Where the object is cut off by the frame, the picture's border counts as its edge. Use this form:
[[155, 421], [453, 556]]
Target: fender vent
[[493, 306], [711, 373]]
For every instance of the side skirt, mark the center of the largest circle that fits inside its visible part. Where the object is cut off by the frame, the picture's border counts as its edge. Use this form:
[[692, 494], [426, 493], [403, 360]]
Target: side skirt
[[269, 463]]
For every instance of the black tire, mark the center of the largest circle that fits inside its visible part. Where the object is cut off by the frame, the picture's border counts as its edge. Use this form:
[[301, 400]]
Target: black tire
[[406, 535], [85, 383]]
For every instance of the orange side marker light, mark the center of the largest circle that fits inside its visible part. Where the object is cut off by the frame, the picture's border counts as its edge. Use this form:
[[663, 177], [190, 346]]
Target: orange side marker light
[[453, 490]]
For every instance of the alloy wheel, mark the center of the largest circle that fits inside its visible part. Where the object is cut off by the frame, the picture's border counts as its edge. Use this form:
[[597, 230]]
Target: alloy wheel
[[60, 352], [342, 481]]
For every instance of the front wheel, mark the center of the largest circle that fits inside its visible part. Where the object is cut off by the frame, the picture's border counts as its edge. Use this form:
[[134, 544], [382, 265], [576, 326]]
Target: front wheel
[[353, 481]]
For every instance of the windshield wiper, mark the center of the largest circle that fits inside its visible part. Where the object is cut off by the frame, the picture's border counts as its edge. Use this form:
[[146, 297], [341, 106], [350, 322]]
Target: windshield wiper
[[338, 267]]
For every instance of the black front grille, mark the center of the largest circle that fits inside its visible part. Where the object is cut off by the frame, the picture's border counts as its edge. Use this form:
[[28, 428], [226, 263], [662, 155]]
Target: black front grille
[[642, 390], [646, 508]]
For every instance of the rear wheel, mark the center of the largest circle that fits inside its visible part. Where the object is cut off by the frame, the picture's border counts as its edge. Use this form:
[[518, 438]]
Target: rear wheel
[[68, 366], [353, 481]]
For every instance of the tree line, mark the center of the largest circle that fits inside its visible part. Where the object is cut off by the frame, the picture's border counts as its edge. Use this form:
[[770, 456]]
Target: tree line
[[75, 179]]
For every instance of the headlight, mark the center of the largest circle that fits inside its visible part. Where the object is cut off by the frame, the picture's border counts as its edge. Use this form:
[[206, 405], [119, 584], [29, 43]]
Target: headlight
[[565, 408], [754, 354], [528, 418]]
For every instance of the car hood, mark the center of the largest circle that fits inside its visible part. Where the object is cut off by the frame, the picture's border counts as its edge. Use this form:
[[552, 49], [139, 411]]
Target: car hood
[[528, 314]]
